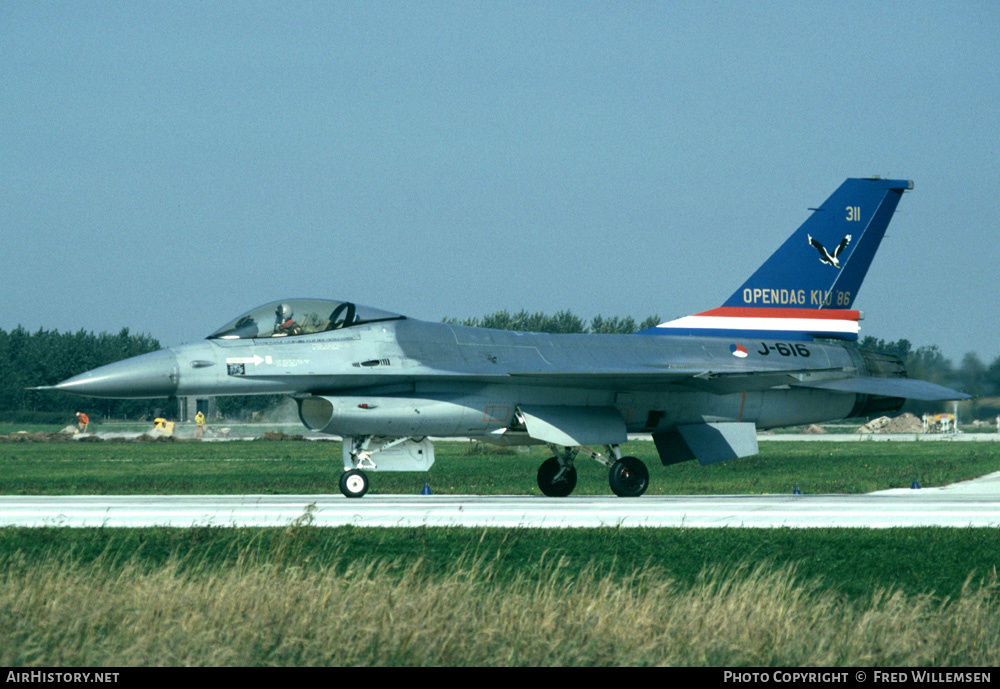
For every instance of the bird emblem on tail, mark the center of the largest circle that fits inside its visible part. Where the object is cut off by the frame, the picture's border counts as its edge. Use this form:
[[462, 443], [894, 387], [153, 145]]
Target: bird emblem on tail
[[824, 255]]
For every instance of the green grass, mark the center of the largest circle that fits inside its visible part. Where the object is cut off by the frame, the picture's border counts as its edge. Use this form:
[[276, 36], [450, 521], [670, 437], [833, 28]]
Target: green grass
[[852, 562], [309, 596], [242, 467]]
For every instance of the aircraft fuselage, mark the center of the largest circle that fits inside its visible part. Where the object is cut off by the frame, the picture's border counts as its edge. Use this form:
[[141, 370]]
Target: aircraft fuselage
[[421, 378]]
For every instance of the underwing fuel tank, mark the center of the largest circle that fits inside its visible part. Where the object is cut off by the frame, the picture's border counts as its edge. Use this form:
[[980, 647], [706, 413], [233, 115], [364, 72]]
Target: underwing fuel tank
[[445, 415]]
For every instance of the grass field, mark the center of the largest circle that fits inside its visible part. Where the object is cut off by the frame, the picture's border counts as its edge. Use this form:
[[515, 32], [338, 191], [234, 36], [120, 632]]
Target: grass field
[[853, 562], [117, 468], [308, 596], [305, 595]]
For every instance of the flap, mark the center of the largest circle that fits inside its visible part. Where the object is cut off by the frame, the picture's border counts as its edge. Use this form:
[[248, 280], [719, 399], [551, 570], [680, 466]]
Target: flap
[[571, 426], [707, 442]]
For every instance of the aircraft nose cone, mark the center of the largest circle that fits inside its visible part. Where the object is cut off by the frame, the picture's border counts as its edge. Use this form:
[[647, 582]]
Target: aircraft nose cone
[[149, 375]]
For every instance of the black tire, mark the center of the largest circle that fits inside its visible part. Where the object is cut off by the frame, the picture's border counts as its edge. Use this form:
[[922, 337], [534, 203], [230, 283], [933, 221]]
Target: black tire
[[555, 489], [354, 483], [629, 477]]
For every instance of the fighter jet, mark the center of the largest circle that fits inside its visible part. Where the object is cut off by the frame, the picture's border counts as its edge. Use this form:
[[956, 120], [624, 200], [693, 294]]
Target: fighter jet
[[779, 352]]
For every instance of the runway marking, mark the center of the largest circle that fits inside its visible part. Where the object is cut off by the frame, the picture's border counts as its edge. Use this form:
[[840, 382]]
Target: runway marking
[[910, 508]]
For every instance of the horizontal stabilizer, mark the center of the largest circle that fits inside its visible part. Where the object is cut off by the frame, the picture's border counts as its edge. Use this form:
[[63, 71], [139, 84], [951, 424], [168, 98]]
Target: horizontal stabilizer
[[707, 442], [572, 426], [906, 388]]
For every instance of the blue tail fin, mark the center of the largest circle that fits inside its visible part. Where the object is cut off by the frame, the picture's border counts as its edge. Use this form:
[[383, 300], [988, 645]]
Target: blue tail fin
[[807, 287], [822, 265]]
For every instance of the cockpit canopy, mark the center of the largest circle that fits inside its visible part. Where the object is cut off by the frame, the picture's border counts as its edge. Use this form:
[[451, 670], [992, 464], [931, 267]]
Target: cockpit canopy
[[292, 317]]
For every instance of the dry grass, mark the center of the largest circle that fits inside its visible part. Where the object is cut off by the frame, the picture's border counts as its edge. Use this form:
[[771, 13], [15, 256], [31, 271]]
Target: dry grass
[[64, 613]]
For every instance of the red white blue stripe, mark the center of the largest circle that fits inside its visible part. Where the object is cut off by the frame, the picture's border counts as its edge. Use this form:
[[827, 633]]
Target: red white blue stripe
[[766, 323]]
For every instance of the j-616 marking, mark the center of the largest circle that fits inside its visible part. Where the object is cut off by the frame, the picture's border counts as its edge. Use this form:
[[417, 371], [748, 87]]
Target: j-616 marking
[[784, 349]]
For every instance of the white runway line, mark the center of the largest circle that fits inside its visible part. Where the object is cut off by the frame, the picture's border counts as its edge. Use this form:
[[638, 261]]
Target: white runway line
[[971, 503]]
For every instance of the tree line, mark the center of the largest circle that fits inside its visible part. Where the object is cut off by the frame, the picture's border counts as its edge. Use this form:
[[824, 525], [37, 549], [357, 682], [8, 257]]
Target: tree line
[[561, 322], [46, 357]]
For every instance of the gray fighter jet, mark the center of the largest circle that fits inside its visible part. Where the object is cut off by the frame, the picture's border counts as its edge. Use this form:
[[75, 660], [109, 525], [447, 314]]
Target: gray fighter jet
[[779, 352]]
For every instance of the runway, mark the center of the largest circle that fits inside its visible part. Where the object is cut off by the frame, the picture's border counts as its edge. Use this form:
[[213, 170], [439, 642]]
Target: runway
[[972, 503]]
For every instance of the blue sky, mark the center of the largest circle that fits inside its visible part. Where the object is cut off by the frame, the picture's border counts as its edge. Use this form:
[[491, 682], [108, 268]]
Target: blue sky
[[167, 166]]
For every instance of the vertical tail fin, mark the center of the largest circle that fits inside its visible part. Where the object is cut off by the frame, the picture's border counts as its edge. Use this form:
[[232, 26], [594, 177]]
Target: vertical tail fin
[[807, 287]]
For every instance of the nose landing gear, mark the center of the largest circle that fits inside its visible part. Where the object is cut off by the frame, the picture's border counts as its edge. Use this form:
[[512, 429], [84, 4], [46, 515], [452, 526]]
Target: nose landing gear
[[354, 483]]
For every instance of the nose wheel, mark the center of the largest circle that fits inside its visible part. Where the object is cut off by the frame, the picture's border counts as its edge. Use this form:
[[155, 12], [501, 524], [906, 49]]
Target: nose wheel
[[628, 477], [354, 483]]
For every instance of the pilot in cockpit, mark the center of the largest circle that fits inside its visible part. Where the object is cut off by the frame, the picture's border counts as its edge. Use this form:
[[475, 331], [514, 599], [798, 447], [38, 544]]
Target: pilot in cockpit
[[284, 322]]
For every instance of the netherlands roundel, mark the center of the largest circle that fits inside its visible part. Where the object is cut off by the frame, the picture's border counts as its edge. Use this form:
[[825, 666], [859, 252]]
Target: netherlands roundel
[[738, 350]]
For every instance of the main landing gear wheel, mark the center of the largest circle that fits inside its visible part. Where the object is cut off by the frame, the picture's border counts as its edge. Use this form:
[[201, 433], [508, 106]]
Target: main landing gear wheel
[[629, 477], [354, 483], [552, 487]]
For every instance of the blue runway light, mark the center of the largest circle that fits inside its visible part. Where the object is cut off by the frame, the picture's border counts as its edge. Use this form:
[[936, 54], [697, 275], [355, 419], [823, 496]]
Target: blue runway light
[[426, 490], [796, 491], [915, 485]]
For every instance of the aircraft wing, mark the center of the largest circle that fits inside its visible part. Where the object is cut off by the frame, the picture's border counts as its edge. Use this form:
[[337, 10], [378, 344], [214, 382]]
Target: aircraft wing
[[718, 382], [652, 379], [724, 382]]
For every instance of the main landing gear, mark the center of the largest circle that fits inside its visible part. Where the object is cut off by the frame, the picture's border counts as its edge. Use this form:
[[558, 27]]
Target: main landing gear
[[627, 476], [557, 477]]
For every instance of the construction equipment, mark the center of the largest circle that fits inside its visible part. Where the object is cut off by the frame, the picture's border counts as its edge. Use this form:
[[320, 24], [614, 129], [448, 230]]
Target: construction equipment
[[162, 427]]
